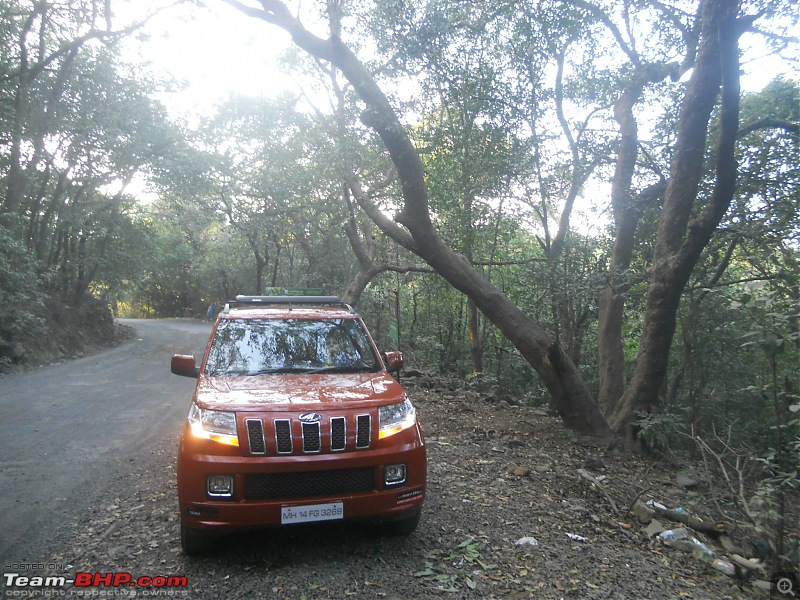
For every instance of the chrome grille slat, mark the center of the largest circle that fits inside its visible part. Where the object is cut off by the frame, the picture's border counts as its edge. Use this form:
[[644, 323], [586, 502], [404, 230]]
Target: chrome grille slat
[[326, 435], [255, 436]]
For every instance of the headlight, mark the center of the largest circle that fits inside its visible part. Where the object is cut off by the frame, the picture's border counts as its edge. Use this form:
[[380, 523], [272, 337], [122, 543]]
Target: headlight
[[395, 418], [216, 425]]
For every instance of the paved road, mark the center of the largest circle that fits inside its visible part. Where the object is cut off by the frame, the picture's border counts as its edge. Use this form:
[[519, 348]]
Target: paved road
[[66, 428]]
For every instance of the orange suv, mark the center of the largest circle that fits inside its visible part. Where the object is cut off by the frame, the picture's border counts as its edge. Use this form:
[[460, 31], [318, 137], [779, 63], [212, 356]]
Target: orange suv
[[296, 419]]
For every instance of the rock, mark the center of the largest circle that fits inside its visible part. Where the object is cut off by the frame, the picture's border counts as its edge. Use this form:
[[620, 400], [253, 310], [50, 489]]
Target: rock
[[520, 471], [686, 482], [643, 513], [654, 528], [527, 541]]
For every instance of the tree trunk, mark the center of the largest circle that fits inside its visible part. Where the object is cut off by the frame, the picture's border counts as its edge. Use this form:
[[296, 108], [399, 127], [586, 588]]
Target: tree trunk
[[475, 338], [367, 267], [611, 357], [679, 241]]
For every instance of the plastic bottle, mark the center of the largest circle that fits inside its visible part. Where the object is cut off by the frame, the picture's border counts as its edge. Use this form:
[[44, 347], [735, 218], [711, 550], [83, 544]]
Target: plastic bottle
[[671, 535], [702, 551]]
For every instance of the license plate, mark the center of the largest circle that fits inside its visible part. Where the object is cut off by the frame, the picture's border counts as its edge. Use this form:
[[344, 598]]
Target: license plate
[[311, 513]]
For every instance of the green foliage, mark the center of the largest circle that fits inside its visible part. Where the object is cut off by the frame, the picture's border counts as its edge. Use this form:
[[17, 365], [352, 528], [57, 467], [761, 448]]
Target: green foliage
[[659, 432], [20, 287]]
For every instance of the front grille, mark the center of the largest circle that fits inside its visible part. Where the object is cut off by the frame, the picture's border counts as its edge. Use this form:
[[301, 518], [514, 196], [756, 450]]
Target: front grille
[[314, 484], [338, 433], [255, 435], [311, 438], [293, 436], [283, 436], [363, 431]]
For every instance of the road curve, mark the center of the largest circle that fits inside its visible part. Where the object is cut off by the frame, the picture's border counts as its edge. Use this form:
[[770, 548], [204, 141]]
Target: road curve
[[67, 427]]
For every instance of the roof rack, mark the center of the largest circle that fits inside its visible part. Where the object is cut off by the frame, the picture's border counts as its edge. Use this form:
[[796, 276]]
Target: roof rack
[[242, 300]]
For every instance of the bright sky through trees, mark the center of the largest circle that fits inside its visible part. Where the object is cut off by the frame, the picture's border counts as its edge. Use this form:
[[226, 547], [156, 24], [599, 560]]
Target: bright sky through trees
[[216, 51], [213, 51]]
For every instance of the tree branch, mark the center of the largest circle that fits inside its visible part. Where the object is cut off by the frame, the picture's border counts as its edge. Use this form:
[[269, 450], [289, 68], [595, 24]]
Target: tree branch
[[769, 123], [384, 223]]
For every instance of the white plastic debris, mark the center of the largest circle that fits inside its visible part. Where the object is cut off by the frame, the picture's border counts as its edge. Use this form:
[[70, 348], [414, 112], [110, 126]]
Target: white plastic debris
[[527, 540], [670, 535]]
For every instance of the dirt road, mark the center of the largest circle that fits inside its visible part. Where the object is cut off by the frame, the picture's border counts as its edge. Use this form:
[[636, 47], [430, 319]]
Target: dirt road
[[70, 427]]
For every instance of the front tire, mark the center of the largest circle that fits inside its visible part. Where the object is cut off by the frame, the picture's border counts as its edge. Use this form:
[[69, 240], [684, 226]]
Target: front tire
[[405, 526], [193, 542]]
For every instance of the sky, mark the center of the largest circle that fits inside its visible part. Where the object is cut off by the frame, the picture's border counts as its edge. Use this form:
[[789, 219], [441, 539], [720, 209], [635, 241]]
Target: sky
[[216, 51]]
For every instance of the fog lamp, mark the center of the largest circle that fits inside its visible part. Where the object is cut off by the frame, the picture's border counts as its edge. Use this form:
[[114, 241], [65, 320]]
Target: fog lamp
[[394, 474], [220, 486]]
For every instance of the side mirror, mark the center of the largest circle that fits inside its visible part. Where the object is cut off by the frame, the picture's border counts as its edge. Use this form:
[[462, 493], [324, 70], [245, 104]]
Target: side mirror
[[183, 364], [393, 361]]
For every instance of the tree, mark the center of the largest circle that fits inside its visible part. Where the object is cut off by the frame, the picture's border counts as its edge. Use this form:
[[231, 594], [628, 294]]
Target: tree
[[681, 238], [688, 220], [571, 396], [47, 39]]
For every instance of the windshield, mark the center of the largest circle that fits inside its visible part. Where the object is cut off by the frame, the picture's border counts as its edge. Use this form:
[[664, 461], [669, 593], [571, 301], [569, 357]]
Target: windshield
[[259, 347]]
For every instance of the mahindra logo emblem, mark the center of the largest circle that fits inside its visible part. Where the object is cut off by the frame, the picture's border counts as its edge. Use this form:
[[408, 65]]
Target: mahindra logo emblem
[[310, 418]]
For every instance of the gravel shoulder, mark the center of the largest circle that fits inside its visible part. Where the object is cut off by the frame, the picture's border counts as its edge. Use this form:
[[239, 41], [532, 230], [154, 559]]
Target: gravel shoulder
[[497, 474]]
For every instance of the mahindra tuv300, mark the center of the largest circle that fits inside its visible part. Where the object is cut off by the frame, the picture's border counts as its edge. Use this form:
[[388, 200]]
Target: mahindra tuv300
[[295, 418]]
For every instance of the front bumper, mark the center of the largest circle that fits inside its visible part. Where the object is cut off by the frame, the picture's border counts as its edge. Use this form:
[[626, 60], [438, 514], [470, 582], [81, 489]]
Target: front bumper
[[319, 481]]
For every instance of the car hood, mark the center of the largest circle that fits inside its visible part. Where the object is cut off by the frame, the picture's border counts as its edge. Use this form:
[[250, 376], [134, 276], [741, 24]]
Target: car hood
[[293, 392]]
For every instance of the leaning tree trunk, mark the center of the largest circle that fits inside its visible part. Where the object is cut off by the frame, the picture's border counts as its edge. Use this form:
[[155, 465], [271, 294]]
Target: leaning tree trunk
[[680, 241], [570, 395]]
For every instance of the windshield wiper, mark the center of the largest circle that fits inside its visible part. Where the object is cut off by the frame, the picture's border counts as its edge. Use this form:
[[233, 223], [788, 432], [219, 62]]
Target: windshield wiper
[[278, 371], [341, 369]]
